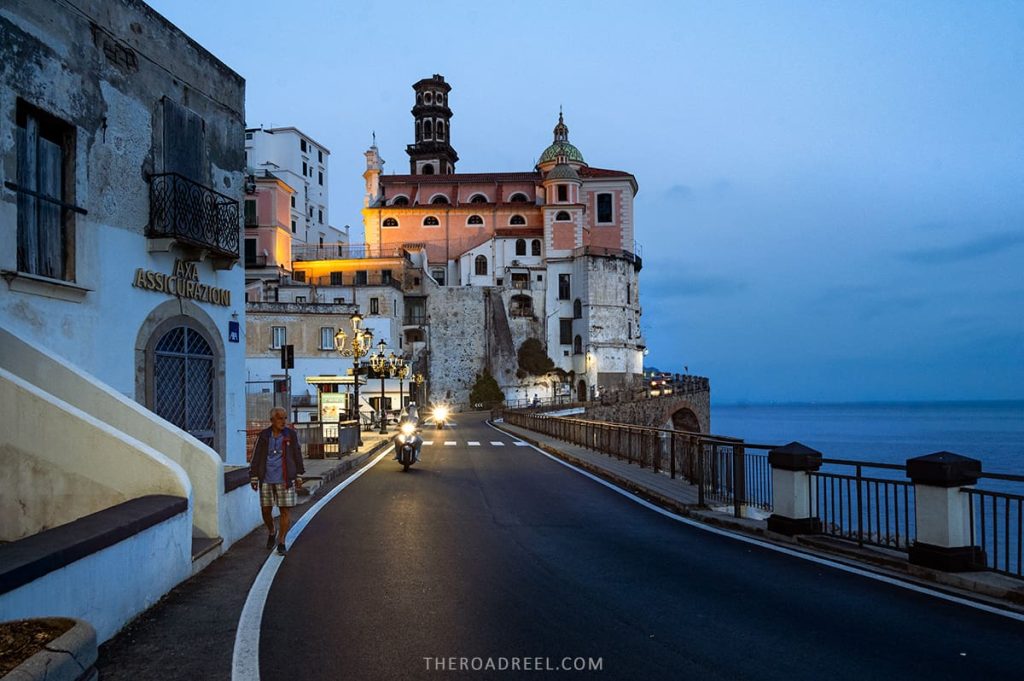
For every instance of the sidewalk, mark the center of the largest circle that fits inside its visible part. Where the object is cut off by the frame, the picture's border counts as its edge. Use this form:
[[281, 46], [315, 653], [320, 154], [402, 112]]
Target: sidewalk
[[681, 497], [321, 472]]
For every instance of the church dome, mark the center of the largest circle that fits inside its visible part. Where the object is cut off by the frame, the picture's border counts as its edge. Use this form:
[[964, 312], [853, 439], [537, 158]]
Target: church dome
[[561, 150], [563, 171]]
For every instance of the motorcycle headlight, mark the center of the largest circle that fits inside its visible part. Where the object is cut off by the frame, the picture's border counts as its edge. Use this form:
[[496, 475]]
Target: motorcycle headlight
[[401, 439], [440, 413], [408, 429]]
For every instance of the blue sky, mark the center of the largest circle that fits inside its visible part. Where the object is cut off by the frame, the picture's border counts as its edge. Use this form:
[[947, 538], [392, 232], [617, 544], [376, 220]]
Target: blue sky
[[831, 200]]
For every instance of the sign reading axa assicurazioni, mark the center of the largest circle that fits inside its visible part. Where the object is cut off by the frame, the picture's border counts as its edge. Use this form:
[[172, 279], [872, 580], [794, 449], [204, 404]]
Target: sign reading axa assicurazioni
[[183, 282]]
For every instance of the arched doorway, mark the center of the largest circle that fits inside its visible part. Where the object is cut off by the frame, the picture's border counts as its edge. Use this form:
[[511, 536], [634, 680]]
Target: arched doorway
[[183, 387], [686, 420], [581, 391]]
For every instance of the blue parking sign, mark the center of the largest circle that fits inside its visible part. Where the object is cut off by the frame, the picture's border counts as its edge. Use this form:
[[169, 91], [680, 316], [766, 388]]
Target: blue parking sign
[[232, 332]]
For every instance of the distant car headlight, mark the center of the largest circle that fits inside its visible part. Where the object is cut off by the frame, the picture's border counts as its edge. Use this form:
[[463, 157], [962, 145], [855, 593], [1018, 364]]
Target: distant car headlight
[[440, 413], [408, 429]]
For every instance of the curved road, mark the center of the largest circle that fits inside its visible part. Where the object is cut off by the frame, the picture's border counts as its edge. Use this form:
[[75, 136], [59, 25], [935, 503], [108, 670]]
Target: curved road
[[498, 553]]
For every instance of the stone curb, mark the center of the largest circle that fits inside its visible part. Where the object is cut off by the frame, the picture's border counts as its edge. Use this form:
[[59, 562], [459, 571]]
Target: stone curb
[[69, 657], [1001, 591]]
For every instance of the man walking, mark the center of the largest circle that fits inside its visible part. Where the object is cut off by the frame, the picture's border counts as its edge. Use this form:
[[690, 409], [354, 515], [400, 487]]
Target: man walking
[[275, 471]]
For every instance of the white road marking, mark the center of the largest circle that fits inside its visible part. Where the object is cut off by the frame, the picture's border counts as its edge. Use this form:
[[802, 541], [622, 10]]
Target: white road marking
[[473, 444], [781, 549], [520, 443], [498, 444], [449, 443], [245, 660], [427, 443]]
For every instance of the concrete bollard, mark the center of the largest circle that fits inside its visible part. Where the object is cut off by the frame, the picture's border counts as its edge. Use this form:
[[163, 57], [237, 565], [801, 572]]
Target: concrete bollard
[[943, 512], [792, 494]]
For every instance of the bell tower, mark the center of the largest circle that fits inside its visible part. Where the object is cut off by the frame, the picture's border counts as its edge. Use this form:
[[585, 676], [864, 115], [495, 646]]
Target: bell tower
[[432, 154]]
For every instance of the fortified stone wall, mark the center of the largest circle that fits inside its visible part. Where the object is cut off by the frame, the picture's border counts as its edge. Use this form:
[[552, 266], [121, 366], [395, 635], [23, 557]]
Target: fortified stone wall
[[658, 412], [457, 341]]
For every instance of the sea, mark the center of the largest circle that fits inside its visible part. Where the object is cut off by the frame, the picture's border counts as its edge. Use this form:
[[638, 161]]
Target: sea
[[992, 431]]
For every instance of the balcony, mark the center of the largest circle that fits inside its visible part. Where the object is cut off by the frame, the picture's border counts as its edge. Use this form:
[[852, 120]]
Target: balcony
[[252, 261], [193, 215], [414, 319], [348, 251]]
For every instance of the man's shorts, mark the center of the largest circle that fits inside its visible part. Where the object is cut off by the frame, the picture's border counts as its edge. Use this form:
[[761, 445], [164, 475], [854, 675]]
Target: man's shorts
[[276, 494]]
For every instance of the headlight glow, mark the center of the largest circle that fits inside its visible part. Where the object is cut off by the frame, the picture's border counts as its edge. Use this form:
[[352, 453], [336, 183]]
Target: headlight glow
[[408, 429], [440, 413]]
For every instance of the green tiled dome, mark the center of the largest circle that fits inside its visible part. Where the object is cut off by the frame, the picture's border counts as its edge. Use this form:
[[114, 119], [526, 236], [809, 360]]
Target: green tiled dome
[[563, 171], [557, 149]]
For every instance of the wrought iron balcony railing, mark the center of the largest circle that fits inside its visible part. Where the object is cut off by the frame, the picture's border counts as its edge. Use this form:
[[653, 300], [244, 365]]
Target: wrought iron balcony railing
[[191, 213]]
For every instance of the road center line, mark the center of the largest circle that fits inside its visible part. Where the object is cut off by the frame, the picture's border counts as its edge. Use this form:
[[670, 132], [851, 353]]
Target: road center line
[[449, 443], [245, 660], [780, 549]]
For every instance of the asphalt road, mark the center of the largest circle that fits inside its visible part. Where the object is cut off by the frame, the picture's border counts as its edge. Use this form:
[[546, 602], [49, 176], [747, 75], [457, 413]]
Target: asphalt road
[[500, 554]]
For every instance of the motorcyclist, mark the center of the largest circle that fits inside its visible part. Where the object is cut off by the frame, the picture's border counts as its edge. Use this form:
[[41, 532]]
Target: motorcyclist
[[409, 415]]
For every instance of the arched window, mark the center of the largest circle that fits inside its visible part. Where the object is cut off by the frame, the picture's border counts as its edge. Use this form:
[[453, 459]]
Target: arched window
[[419, 131], [478, 198], [400, 201], [428, 169], [428, 130], [519, 197], [440, 198], [517, 220], [440, 130], [430, 221], [390, 222], [535, 247], [577, 345], [562, 216], [481, 265], [577, 309], [428, 98], [520, 246], [419, 97], [521, 306], [475, 220]]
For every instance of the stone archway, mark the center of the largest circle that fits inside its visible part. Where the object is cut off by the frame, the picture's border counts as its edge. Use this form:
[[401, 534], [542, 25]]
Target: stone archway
[[686, 420]]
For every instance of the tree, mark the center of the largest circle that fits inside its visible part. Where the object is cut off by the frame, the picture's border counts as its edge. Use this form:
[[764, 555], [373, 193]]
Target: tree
[[486, 391], [533, 359]]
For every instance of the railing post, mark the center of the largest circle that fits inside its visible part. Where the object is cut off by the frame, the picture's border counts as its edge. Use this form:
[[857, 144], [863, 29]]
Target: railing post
[[943, 512], [792, 493], [672, 454], [739, 481], [699, 449]]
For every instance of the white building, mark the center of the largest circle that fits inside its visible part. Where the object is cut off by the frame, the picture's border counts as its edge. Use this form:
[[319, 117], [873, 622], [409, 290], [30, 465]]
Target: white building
[[302, 163]]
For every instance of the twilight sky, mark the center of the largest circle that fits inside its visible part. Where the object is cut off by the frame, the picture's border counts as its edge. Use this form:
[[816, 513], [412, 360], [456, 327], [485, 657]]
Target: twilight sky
[[831, 200]]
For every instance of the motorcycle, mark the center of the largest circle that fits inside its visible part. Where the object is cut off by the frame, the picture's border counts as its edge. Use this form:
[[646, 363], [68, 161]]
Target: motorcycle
[[440, 416], [408, 445]]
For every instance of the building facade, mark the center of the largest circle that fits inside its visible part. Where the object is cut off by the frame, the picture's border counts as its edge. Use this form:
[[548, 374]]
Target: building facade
[[547, 253]]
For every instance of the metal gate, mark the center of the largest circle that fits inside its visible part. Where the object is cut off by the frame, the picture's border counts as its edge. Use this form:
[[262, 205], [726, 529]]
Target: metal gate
[[183, 382]]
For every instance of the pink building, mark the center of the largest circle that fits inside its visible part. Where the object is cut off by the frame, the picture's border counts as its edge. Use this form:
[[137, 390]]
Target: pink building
[[268, 236]]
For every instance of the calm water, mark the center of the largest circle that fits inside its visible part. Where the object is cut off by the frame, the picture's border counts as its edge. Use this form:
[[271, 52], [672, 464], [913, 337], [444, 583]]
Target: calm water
[[890, 433]]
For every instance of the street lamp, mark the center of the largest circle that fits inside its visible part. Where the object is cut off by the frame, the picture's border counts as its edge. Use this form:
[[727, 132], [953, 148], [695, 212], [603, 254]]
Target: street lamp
[[417, 380], [402, 370], [382, 365], [357, 349]]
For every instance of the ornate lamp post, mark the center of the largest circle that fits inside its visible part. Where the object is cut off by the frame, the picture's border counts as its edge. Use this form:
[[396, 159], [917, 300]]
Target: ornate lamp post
[[417, 380], [357, 349], [402, 370], [382, 365]]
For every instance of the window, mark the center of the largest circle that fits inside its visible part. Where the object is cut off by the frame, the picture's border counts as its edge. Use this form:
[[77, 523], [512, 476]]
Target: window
[[517, 220], [278, 337], [428, 169], [300, 299], [563, 286], [305, 169], [361, 278], [293, 200], [326, 338], [475, 220], [604, 208], [521, 306], [439, 199], [519, 197], [302, 144], [478, 198], [565, 331], [339, 301], [428, 129], [385, 276], [321, 241], [248, 135], [577, 345], [320, 215], [430, 221], [293, 226], [336, 279], [400, 201], [429, 98], [311, 212], [390, 222], [577, 309], [535, 247], [440, 130], [563, 192], [629, 326], [562, 216], [320, 155], [250, 213], [299, 275], [374, 305], [520, 246], [629, 292], [321, 178], [481, 265], [46, 184], [438, 276], [520, 280]]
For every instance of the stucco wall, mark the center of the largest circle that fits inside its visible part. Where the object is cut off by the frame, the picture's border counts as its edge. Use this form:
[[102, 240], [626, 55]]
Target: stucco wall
[[110, 587], [58, 463], [239, 515]]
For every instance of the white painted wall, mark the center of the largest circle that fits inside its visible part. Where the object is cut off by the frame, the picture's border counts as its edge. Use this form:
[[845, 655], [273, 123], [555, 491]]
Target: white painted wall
[[239, 515], [111, 587]]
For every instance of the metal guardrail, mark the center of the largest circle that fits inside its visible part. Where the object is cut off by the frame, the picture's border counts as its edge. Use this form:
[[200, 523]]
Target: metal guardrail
[[996, 525], [192, 213], [867, 510]]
